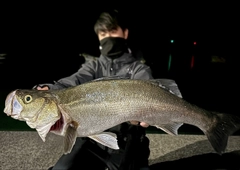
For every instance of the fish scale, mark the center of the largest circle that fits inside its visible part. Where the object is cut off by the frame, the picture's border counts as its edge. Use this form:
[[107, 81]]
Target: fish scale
[[89, 109]]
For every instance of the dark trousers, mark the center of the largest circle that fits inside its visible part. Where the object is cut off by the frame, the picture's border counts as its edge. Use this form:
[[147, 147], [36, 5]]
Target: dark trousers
[[86, 154]]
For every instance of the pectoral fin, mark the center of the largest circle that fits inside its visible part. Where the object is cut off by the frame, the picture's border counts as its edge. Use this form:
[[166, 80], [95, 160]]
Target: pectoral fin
[[107, 139], [171, 129], [70, 137]]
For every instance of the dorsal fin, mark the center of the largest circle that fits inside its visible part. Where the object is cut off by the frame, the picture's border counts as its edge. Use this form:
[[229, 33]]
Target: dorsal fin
[[111, 78], [169, 85], [108, 78]]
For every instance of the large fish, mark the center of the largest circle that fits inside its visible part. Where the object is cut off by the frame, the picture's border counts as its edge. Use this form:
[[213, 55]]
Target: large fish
[[91, 108]]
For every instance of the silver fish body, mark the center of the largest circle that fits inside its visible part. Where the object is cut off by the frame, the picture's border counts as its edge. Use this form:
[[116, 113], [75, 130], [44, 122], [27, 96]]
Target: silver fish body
[[89, 109]]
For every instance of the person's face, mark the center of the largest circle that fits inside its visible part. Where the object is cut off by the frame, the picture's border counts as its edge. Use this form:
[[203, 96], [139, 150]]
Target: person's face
[[114, 33]]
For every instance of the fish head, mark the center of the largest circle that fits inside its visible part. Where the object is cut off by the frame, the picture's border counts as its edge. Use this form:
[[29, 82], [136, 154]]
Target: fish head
[[38, 108]]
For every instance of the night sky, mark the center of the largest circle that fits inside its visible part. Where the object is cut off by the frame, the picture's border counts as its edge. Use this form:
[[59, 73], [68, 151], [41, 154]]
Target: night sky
[[62, 28]]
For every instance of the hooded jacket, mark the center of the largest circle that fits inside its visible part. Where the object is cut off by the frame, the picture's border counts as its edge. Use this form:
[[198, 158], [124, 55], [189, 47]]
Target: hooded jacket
[[131, 138], [124, 66]]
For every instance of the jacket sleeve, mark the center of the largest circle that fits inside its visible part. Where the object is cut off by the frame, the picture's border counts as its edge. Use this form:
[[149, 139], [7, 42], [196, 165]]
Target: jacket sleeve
[[84, 74], [141, 71]]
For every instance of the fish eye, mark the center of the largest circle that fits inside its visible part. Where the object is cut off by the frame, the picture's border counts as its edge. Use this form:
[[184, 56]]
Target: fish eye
[[28, 98]]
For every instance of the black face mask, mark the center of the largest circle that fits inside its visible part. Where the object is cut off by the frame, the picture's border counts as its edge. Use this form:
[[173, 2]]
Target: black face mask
[[113, 47]]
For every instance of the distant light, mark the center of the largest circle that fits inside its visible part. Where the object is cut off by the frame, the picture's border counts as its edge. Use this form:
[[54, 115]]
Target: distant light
[[2, 57], [172, 41], [192, 62], [169, 62], [194, 43]]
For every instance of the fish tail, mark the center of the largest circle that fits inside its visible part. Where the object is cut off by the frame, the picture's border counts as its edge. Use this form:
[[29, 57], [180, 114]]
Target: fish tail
[[219, 132]]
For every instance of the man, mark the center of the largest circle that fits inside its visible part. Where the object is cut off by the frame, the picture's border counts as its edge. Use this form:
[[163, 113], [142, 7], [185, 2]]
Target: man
[[115, 60]]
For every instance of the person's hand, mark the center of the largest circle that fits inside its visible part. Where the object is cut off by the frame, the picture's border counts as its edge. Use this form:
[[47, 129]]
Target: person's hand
[[42, 88], [143, 124]]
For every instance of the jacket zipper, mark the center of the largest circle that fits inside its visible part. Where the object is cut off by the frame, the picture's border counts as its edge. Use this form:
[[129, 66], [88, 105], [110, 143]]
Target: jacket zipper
[[111, 69]]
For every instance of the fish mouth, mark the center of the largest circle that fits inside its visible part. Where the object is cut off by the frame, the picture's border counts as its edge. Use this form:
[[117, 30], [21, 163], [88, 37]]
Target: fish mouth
[[8, 103], [12, 107]]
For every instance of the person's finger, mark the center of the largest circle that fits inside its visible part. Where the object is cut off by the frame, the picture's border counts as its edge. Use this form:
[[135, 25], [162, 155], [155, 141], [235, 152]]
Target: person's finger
[[143, 124]]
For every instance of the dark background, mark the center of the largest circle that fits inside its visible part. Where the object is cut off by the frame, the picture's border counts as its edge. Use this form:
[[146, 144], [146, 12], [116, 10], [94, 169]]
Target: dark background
[[42, 43]]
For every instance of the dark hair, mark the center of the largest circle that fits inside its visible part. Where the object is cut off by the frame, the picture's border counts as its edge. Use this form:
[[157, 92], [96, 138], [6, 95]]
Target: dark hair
[[110, 20]]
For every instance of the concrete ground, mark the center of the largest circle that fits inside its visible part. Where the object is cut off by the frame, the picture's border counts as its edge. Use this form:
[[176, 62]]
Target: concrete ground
[[24, 150]]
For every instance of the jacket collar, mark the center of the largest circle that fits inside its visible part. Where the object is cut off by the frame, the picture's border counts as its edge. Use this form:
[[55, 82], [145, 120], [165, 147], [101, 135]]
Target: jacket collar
[[125, 58]]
